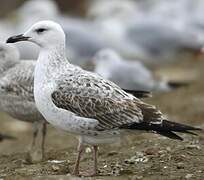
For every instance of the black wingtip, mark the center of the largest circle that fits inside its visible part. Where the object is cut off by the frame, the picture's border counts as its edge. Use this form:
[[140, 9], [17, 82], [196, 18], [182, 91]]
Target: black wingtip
[[170, 135], [139, 94], [165, 128]]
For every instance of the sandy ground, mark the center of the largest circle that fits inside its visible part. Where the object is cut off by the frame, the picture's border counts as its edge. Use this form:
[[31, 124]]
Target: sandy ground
[[139, 156]]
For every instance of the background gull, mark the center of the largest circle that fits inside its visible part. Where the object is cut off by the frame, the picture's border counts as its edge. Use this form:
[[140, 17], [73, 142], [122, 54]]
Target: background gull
[[116, 8], [153, 41], [160, 43], [16, 94], [113, 22], [84, 103], [127, 74], [163, 34]]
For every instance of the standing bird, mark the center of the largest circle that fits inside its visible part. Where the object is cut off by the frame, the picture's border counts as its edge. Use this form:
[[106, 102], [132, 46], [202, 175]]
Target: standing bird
[[16, 94], [82, 102]]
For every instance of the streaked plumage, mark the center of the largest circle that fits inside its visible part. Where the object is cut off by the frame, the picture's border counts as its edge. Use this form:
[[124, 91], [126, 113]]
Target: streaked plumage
[[90, 96], [84, 103]]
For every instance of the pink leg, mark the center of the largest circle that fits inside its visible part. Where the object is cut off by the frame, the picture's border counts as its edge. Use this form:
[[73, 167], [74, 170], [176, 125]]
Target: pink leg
[[76, 167]]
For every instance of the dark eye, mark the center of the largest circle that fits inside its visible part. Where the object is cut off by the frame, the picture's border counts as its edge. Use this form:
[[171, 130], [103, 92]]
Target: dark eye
[[40, 30]]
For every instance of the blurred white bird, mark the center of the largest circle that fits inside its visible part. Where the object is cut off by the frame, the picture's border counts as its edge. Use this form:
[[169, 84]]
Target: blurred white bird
[[160, 36], [116, 8], [158, 43], [132, 75]]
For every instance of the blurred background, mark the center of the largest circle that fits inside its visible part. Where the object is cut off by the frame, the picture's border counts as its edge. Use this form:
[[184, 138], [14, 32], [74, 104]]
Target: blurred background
[[149, 45]]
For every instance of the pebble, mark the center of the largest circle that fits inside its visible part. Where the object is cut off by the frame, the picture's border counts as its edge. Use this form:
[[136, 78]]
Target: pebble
[[56, 161], [137, 159], [112, 153], [150, 151], [136, 177], [55, 168], [88, 150], [180, 165], [188, 176], [168, 149], [193, 146]]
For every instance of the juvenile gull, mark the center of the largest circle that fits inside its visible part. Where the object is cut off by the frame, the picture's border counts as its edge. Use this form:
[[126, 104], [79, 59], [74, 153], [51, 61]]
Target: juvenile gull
[[16, 94], [84, 103]]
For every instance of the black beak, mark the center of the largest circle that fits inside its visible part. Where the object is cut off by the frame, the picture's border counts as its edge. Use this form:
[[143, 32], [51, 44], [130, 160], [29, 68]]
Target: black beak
[[17, 38]]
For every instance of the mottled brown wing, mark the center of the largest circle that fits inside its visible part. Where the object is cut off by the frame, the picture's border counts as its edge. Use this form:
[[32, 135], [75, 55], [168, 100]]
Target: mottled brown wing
[[150, 113], [97, 99]]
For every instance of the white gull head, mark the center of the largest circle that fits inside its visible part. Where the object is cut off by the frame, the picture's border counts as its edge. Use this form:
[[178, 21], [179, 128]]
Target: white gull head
[[107, 56], [105, 60], [46, 34]]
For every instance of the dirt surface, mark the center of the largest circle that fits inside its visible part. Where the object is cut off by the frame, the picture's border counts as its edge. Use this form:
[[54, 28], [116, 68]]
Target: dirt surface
[[138, 156]]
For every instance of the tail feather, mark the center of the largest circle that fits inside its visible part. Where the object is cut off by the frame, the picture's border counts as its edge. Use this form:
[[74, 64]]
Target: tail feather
[[170, 135], [166, 128]]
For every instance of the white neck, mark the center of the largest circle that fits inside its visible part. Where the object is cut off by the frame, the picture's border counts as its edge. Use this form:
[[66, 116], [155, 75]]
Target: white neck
[[46, 71], [49, 60], [55, 55]]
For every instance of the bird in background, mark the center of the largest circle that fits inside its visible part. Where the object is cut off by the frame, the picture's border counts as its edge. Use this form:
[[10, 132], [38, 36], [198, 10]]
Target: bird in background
[[131, 75], [83, 103], [17, 98]]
